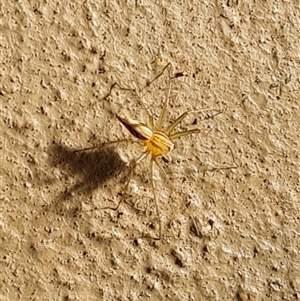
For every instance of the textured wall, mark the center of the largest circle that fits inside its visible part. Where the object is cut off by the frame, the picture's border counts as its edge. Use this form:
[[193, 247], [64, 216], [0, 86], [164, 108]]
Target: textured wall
[[229, 234]]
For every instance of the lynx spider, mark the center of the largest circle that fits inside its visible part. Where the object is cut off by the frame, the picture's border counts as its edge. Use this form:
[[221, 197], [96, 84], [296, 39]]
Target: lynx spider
[[156, 139]]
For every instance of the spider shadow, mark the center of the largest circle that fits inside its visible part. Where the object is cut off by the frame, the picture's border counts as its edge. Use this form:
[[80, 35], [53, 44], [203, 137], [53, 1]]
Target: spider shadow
[[87, 170]]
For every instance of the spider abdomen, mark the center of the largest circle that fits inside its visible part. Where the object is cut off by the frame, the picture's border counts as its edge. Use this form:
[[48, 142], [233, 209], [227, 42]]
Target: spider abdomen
[[137, 129]]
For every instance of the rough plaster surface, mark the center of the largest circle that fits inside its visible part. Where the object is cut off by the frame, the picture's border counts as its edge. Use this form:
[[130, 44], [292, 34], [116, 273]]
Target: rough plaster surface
[[226, 235]]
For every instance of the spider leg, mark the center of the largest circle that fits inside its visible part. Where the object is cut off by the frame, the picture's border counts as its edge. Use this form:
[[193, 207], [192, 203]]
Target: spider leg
[[171, 127], [232, 156], [158, 75], [155, 200], [133, 90], [151, 122], [162, 114], [184, 133], [104, 144], [164, 173], [193, 131], [132, 169]]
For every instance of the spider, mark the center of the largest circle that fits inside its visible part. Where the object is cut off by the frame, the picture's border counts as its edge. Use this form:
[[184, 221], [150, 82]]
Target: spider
[[157, 140]]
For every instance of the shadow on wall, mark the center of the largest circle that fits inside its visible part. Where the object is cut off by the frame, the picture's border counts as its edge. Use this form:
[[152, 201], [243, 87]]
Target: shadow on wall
[[85, 171]]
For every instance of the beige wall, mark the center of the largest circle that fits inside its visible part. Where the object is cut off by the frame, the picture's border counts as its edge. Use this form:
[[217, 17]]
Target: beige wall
[[230, 234]]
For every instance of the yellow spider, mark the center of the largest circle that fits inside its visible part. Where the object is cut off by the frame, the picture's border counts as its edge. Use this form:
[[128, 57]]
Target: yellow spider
[[158, 141]]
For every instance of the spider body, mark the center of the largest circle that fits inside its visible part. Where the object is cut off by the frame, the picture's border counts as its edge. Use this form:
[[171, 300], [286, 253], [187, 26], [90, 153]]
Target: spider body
[[158, 141]]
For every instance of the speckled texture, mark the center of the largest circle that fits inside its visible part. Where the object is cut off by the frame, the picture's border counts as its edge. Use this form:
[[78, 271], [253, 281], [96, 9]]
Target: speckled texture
[[227, 234]]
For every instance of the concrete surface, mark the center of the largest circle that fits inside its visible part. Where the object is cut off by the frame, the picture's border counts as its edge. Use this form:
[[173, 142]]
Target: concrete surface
[[227, 234]]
